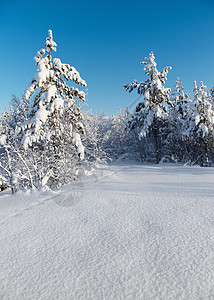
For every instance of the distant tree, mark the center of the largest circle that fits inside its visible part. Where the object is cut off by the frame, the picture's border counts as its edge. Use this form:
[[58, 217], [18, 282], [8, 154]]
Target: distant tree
[[178, 114], [201, 122], [94, 138], [116, 139], [150, 114]]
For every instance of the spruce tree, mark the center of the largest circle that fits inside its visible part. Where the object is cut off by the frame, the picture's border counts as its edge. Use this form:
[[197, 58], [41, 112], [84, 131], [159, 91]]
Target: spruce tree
[[178, 114], [149, 115], [201, 122], [53, 126]]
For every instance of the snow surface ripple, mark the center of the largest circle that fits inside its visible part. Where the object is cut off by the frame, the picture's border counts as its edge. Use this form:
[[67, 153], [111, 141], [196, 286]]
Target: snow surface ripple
[[140, 232]]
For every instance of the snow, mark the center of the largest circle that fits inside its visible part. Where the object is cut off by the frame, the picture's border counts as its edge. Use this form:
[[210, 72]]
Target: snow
[[147, 95], [50, 34], [159, 112], [51, 93], [50, 44], [39, 54], [29, 91], [157, 83], [204, 129], [58, 104], [139, 232], [42, 72], [3, 139], [70, 102], [57, 62], [78, 144], [27, 140], [40, 117], [3, 179], [197, 118]]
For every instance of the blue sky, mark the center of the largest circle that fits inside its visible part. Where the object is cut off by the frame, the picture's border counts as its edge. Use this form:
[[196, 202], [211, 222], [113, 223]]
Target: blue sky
[[105, 41]]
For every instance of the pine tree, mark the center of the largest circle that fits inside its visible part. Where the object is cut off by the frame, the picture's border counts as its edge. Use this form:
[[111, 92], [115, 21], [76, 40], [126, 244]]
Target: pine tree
[[149, 115], [53, 126], [201, 122], [178, 113], [13, 165]]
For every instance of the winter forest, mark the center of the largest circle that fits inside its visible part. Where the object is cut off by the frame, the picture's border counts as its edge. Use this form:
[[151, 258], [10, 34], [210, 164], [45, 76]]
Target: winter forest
[[49, 139]]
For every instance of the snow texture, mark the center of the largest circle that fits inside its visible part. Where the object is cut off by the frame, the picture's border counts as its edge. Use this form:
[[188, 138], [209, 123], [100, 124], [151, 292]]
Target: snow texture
[[3, 139], [77, 142], [40, 117], [139, 232]]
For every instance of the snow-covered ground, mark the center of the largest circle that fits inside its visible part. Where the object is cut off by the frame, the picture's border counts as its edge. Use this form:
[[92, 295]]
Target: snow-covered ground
[[139, 232]]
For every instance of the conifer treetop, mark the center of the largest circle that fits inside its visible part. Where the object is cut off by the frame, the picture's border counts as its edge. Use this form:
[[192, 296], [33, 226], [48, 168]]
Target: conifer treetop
[[54, 72], [152, 89], [201, 115]]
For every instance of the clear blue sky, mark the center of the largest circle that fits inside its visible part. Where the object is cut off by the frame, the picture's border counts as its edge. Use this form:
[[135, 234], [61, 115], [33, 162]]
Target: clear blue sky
[[105, 41]]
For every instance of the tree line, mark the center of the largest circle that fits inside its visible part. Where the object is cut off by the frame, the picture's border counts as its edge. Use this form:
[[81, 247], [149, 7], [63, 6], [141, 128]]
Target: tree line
[[47, 138]]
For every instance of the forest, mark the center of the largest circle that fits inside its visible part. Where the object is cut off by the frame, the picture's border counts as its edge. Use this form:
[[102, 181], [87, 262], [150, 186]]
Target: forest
[[49, 139]]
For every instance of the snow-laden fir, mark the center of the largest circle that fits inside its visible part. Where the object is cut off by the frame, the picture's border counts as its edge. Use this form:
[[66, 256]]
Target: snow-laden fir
[[45, 135]]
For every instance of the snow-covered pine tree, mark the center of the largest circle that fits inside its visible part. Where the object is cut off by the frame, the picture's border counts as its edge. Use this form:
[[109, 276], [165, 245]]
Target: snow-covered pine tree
[[53, 126], [6, 166], [178, 113], [201, 122], [13, 164], [149, 115]]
